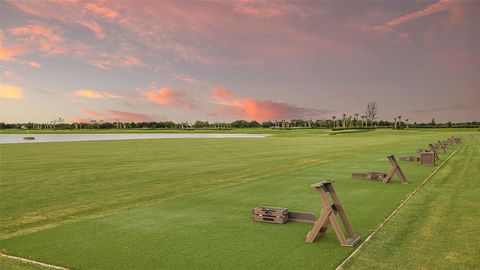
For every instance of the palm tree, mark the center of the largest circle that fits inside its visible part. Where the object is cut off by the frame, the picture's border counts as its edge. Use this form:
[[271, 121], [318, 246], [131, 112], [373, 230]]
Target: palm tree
[[344, 118], [355, 119], [334, 121], [399, 121], [395, 119], [406, 122]]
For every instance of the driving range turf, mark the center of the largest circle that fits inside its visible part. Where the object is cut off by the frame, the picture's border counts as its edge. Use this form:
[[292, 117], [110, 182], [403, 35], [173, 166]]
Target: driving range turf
[[185, 203]]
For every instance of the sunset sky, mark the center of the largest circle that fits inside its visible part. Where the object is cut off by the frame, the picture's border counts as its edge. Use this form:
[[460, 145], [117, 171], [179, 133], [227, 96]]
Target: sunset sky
[[227, 60]]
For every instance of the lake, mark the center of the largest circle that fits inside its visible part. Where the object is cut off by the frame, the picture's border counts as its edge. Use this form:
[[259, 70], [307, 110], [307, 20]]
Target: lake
[[18, 138]]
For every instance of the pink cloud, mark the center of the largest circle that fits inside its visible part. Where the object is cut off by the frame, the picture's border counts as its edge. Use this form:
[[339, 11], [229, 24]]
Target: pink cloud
[[8, 55], [102, 11], [114, 115], [73, 12], [430, 9], [260, 110], [186, 78], [129, 117], [95, 28], [91, 113], [42, 37], [94, 94], [171, 97], [265, 9], [107, 60], [31, 64], [9, 74], [222, 96]]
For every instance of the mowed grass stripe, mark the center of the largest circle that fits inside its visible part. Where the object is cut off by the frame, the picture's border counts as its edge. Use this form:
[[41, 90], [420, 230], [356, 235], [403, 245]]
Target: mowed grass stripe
[[213, 228], [46, 184], [438, 227]]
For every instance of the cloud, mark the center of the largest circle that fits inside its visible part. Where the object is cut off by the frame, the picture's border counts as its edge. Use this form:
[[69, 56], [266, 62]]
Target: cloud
[[171, 97], [8, 55], [41, 37], [34, 37], [113, 116], [430, 9], [265, 9], [94, 94], [129, 117], [107, 60], [9, 74], [10, 92], [186, 78], [260, 110], [95, 28], [102, 11], [91, 113]]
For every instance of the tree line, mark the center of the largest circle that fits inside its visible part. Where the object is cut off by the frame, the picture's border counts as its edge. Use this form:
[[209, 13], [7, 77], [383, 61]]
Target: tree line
[[355, 121], [342, 123]]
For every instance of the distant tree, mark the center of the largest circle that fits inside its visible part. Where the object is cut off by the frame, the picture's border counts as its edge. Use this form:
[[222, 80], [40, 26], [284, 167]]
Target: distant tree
[[432, 123], [334, 121], [372, 111]]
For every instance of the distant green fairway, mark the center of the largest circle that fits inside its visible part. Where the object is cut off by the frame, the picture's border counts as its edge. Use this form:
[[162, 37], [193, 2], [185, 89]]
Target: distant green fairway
[[185, 203]]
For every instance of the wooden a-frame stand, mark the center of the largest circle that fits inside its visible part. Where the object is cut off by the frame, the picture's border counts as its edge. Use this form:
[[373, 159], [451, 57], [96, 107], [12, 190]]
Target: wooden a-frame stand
[[328, 216], [437, 158], [394, 169], [442, 146]]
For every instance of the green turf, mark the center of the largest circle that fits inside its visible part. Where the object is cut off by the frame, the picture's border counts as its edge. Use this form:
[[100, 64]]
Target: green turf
[[185, 203], [438, 227], [10, 264]]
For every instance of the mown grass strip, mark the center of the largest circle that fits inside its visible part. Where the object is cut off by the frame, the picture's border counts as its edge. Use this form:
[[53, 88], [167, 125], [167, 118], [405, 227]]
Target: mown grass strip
[[407, 198], [27, 261]]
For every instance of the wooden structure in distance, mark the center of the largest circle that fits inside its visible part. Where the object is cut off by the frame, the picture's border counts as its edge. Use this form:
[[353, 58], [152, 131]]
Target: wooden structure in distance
[[432, 149], [328, 217], [443, 146], [427, 158], [395, 169]]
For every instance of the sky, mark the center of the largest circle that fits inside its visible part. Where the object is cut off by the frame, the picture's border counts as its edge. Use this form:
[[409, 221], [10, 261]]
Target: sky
[[226, 60]]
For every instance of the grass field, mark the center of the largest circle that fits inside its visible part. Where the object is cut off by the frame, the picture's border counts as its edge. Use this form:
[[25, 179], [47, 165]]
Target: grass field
[[438, 228], [185, 203]]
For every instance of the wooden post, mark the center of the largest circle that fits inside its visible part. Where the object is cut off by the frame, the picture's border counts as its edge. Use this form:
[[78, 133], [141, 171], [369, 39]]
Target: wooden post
[[432, 149], [442, 146], [328, 216], [395, 169]]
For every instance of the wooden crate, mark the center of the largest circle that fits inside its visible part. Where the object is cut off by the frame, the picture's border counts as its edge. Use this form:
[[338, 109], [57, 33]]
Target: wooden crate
[[270, 211], [270, 214], [271, 219], [427, 158], [369, 175], [410, 158]]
